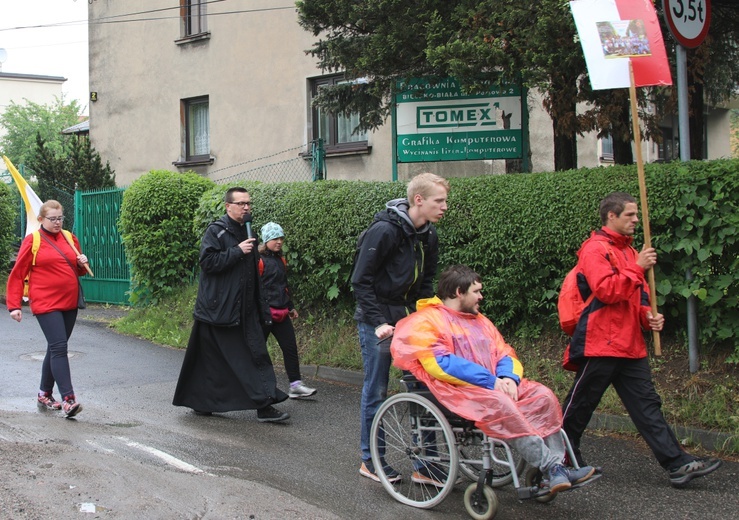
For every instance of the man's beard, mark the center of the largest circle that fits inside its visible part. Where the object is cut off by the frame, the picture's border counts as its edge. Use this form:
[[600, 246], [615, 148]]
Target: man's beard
[[471, 310]]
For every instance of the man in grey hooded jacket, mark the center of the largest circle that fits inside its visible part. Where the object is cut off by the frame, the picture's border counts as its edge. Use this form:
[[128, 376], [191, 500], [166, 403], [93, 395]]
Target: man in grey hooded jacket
[[395, 266]]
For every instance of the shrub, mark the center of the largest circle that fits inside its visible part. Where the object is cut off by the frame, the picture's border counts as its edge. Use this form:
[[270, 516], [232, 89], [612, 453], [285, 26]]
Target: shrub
[[8, 214], [157, 231], [521, 233], [321, 221]]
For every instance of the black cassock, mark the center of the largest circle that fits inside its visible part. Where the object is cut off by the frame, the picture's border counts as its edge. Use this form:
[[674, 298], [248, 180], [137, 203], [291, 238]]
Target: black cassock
[[229, 368]]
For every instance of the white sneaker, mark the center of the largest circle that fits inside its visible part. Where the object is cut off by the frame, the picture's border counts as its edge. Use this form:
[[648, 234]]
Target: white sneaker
[[300, 391]]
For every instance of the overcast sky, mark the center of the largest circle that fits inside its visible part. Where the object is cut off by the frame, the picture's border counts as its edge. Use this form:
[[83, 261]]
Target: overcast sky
[[47, 38]]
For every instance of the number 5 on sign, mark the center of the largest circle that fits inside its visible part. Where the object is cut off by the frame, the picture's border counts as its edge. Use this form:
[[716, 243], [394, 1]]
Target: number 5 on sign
[[688, 20]]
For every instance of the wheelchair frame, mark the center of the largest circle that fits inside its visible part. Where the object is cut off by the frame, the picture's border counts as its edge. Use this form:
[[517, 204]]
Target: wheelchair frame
[[411, 431]]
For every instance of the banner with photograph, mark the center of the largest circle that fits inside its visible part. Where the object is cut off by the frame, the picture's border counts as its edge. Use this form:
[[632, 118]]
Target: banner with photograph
[[616, 32]]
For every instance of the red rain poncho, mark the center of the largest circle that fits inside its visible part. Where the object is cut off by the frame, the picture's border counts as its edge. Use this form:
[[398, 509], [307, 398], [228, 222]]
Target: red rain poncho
[[435, 331]]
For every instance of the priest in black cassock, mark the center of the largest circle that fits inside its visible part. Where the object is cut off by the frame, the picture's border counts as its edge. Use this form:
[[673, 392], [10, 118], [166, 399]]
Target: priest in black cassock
[[227, 366]]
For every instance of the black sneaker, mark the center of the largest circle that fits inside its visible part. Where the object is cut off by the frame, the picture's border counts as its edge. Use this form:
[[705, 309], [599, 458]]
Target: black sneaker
[[271, 414], [696, 468]]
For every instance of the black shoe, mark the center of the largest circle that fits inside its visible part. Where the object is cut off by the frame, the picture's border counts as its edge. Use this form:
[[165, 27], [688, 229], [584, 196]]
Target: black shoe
[[271, 414], [200, 412], [697, 468]]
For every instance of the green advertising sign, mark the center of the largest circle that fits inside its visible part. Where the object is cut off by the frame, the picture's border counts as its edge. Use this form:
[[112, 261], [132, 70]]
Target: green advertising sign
[[435, 121]]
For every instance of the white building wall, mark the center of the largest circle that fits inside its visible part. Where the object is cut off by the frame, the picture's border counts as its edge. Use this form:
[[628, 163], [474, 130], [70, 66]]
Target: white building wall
[[718, 128]]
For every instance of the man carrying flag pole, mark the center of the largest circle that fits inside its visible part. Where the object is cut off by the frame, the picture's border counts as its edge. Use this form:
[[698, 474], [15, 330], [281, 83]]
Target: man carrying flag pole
[[623, 48]]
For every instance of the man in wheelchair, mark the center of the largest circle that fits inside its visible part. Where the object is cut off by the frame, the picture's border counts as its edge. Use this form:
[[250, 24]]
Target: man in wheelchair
[[470, 369]]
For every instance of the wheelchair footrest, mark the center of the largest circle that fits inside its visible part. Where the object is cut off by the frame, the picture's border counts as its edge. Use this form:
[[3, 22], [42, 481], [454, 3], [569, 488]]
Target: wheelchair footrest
[[525, 493]]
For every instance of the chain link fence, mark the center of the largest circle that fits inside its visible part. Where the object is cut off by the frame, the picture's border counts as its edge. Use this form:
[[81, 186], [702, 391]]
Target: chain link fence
[[291, 165]]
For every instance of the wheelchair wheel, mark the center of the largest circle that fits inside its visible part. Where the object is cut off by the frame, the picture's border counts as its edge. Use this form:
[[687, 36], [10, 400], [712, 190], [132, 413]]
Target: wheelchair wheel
[[533, 477], [484, 507], [470, 461], [411, 436]]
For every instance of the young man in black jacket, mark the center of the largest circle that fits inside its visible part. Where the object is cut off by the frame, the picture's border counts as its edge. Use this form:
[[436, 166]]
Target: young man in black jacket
[[395, 266]]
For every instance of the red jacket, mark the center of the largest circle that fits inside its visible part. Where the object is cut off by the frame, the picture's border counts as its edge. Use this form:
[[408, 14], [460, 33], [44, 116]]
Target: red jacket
[[611, 326], [53, 283]]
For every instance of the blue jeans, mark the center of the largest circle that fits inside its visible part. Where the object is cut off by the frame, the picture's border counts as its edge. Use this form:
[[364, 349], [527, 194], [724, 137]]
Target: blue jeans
[[376, 361]]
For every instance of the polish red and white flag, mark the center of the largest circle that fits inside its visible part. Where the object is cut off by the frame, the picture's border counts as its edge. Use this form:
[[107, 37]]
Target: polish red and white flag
[[614, 33]]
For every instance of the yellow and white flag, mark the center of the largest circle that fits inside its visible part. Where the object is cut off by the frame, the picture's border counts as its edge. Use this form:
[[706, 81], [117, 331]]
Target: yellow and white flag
[[30, 199]]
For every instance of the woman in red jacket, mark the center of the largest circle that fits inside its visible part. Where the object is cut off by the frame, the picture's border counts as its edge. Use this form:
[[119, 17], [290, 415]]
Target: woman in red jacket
[[53, 291]]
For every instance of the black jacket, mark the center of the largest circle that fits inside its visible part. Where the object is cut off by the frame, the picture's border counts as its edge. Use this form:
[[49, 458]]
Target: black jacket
[[225, 276], [395, 266], [274, 281]]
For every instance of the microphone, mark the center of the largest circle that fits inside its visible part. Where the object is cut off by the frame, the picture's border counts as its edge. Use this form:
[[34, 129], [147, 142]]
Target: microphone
[[247, 223]]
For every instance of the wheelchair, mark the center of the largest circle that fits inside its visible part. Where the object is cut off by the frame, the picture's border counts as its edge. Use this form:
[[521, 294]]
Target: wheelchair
[[418, 438]]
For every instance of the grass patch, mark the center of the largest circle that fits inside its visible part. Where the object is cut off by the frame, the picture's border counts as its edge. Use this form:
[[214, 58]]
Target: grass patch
[[169, 322]]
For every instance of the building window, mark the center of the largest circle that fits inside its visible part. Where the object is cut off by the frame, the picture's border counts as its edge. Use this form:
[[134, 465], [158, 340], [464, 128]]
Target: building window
[[193, 17], [337, 132], [606, 149], [668, 149], [197, 129]]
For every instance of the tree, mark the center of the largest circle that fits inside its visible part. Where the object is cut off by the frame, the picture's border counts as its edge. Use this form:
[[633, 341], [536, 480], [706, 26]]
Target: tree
[[50, 170], [476, 41], [77, 166], [86, 163], [532, 41], [479, 41], [23, 123]]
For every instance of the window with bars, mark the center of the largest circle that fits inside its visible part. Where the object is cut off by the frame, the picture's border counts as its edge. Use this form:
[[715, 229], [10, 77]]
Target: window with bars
[[337, 131]]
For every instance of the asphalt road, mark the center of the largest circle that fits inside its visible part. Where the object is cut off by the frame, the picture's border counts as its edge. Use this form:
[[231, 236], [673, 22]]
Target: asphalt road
[[131, 454]]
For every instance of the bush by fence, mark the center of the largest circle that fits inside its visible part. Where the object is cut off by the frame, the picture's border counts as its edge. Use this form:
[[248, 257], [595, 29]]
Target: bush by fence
[[8, 214], [520, 232], [157, 231]]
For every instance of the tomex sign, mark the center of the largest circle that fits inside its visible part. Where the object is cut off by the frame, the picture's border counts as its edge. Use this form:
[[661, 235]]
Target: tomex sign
[[435, 121]]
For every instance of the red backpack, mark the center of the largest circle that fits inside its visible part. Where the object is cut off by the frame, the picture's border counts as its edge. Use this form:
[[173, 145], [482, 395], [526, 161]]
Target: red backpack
[[570, 303]]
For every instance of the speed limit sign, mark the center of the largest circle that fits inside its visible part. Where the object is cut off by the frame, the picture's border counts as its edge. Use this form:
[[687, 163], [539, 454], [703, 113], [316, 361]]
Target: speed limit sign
[[688, 20]]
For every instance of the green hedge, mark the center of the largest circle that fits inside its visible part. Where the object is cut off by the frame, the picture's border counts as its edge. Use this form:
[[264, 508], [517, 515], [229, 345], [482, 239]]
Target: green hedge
[[156, 228], [321, 221], [8, 214], [521, 233]]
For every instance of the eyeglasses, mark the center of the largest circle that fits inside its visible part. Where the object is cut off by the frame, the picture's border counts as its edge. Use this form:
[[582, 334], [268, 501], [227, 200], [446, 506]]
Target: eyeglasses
[[55, 219], [242, 203]]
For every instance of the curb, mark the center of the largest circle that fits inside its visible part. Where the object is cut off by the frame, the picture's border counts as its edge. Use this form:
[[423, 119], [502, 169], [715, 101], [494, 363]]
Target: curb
[[709, 440]]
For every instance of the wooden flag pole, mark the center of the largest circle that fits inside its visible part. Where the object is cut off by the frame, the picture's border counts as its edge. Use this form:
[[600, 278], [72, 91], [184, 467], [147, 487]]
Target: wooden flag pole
[[87, 265], [643, 198]]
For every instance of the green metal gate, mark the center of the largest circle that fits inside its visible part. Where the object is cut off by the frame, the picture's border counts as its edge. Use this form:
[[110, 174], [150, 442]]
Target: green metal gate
[[96, 226]]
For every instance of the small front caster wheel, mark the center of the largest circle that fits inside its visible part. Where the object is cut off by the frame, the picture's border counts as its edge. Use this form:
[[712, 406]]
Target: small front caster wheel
[[480, 507]]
